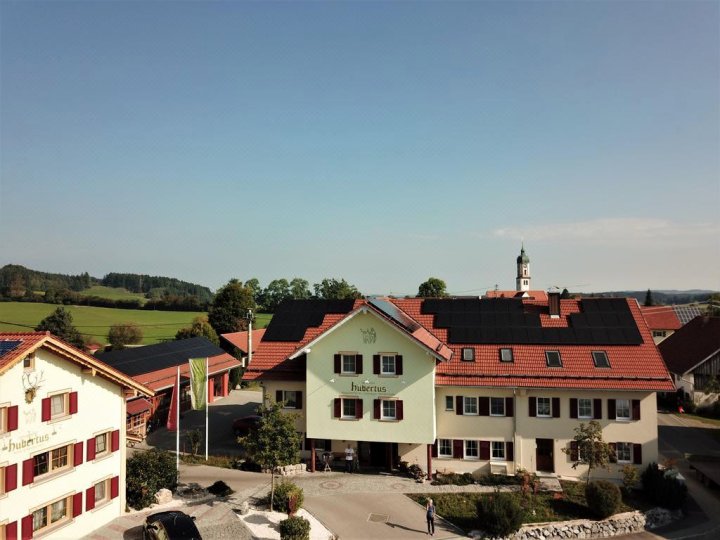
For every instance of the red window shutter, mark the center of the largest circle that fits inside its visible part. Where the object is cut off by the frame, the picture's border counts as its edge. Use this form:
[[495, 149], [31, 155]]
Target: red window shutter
[[12, 418], [298, 399], [434, 451], [337, 408], [611, 409], [45, 406], [278, 396], [376, 364], [636, 409], [637, 454], [358, 363], [10, 477], [459, 405], [11, 531], [28, 471], [337, 360], [399, 409], [613, 452], [376, 409], [485, 450], [398, 365], [91, 449], [89, 498], [573, 407], [509, 451], [556, 407], [114, 486], [597, 409], [358, 408], [573, 451], [27, 527], [78, 454], [533, 406], [458, 449], [115, 440], [73, 402], [77, 504], [484, 406], [509, 406]]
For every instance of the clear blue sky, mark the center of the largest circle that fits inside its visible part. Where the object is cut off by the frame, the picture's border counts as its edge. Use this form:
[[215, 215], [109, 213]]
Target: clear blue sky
[[379, 142]]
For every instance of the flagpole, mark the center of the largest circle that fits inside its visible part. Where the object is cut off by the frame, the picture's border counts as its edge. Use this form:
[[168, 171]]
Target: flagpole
[[207, 406], [177, 425]]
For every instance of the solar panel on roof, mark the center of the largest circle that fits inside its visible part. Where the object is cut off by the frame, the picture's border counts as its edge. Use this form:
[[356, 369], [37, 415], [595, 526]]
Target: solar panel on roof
[[8, 345], [293, 317], [685, 314], [397, 315]]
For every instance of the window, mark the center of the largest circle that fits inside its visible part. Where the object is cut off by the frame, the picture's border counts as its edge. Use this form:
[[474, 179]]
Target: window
[[388, 410], [290, 399], [659, 333], [449, 403], [585, 409], [445, 448], [472, 450], [525, 281], [349, 408], [53, 513], [349, 363], [51, 461], [470, 405], [497, 406], [468, 354], [543, 407], [600, 359], [622, 409], [387, 364], [506, 355], [59, 405], [102, 492], [497, 449], [101, 444], [29, 363], [553, 358], [4, 419], [623, 452]]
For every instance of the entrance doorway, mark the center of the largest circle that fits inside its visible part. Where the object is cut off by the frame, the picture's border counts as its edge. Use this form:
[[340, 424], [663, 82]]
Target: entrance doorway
[[379, 455], [544, 455]]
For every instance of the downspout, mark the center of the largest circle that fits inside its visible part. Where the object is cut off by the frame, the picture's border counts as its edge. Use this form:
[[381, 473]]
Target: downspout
[[516, 457]]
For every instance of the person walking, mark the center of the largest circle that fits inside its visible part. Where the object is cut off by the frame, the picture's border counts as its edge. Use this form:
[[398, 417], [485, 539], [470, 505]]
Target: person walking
[[349, 456], [430, 514]]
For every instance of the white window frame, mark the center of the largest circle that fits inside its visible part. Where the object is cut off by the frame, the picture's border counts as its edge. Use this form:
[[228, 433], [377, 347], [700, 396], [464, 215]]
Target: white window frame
[[496, 400], [391, 358], [287, 402], [347, 356], [388, 415], [588, 406], [468, 354], [343, 414], [48, 523], [449, 403], [466, 449], [549, 407], [506, 354], [628, 407], [471, 402], [449, 446], [625, 449], [497, 450]]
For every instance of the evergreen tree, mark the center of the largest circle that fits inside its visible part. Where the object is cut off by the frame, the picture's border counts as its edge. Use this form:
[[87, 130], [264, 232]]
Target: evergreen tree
[[649, 299], [59, 323]]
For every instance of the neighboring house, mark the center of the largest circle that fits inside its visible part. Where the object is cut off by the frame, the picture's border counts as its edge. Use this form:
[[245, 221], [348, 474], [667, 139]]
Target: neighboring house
[[465, 384], [692, 354], [239, 340], [156, 367], [62, 438], [664, 320]]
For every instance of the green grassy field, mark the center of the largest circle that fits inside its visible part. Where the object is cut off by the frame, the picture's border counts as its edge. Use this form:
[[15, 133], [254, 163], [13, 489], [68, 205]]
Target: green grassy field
[[94, 322], [113, 293]]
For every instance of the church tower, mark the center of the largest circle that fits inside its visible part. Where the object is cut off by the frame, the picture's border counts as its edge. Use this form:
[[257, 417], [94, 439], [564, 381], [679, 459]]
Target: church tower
[[522, 281]]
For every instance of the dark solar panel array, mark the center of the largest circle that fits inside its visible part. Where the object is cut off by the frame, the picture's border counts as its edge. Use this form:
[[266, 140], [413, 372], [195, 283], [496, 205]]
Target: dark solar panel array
[[293, 317], [7, 345], [392, 311], [139, 360], [602, 321]]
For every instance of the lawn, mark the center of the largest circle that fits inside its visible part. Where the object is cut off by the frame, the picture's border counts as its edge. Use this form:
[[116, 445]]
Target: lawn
[[94, 322], [113, 293]]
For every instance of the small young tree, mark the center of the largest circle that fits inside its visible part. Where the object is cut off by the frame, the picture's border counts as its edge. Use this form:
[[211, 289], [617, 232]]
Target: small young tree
[[588, 447], [194, 437], [273, 442], [122, 334]]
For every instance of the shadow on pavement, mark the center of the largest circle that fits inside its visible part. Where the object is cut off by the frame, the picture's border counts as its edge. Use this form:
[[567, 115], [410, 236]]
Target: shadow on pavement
[[403, 527], [133, 533]]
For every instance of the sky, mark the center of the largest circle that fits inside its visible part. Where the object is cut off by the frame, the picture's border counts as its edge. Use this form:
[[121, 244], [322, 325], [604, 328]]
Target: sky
[[377, 142]]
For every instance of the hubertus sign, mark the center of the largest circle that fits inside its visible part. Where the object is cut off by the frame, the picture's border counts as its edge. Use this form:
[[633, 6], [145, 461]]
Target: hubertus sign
[[367, 388]]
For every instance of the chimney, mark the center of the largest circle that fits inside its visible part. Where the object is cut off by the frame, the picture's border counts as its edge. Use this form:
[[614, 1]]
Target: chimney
[[554, 304]]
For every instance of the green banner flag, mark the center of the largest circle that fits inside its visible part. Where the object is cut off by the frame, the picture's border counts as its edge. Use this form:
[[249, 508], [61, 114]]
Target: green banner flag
[[198, 383]]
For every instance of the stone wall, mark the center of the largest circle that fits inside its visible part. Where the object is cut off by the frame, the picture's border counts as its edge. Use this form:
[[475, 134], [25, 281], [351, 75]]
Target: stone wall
[[289, 470]]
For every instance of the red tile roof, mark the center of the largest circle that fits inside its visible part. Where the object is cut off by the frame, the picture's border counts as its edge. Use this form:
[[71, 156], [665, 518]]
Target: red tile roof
[[691, 344], [240, 339], [661, 318], [632, 367], [165, 378], [532, 295]]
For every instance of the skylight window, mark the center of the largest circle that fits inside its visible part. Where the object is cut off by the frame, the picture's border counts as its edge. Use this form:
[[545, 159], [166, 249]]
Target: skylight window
[[506, 355], [468, 354], [553, 358], [600, 359]]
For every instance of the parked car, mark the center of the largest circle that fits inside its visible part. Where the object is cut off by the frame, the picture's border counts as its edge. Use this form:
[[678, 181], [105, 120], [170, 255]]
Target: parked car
[[173, 525], [242, 426]]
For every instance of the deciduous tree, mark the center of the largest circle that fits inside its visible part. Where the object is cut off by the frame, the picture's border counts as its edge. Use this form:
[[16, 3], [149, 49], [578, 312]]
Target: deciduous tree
[[588, 447], [274, 294], [59, 323], [228, 311], [199, 327], [333, 289], [300, 289], [432, 288], [122, 334]]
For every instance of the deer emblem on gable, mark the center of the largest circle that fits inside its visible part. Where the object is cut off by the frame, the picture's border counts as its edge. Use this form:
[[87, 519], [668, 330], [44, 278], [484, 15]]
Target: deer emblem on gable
[[32, 381]]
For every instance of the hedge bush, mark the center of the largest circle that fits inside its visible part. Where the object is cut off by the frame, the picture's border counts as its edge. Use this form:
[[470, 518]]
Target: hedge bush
[[663, 489], [603, 498], [500, 514], [147, 473], [283, 492], [221, 489], [295, 528]]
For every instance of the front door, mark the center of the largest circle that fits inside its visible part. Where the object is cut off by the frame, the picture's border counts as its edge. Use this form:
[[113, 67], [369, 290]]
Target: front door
[[544, 455]]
